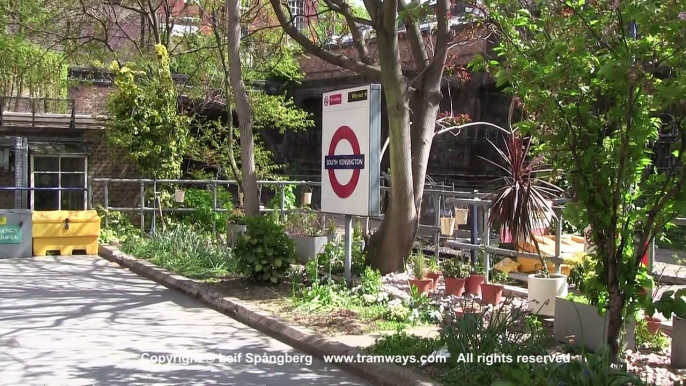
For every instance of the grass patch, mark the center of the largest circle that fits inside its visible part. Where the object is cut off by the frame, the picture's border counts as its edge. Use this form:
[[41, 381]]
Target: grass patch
[[184, 250]]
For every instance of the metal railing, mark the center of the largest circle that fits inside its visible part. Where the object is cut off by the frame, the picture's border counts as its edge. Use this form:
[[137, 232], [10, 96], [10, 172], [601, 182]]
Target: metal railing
[[36, 106], [477, 204]]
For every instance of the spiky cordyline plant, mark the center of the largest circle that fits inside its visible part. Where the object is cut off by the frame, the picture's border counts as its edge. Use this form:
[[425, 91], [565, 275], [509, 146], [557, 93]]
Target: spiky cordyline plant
[[520, 205]]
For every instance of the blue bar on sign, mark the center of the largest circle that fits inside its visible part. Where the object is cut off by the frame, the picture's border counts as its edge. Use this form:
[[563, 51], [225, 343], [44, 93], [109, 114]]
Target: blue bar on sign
[[344, 161]]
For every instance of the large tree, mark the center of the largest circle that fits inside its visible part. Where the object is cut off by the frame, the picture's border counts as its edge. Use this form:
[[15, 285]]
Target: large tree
[[412, 97], [600, 82]]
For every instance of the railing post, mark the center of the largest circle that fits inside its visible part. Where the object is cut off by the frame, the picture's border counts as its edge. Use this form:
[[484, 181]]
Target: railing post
[[486, 239], [283, 203], [107, 203], [153, 220], [214, 207], [558, 244], [142, 207], [2, 109], [33, 112], [475, 230]]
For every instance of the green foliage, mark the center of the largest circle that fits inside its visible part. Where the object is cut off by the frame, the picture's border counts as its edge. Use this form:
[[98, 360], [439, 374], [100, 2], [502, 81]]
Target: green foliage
[[671, 302], [595, 98], [370, 282], [498, 277], [204, 215], [307, 222], [418, 265], [212, 146], [455, 268], [119, 227], [236, 217], [185, 250], [278, 112], [265, 252], [290, 201], [322, 298], [432, 264], [402, 343], [27, 69], [145, 121], [332, 258], [656, 342]]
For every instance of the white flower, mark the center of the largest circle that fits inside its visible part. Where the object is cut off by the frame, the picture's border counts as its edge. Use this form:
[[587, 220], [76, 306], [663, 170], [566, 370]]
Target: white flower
[[682, 15]]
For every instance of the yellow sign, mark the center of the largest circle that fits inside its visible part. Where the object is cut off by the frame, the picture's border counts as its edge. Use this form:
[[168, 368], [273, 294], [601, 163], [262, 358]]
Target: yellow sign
[[3, 220]]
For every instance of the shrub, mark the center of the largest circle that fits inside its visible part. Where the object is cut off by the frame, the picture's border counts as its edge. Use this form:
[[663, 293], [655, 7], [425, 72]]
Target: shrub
[[265, 252], [307, 222], [371, 283], [418, 264], [454, 268], [204, 215]]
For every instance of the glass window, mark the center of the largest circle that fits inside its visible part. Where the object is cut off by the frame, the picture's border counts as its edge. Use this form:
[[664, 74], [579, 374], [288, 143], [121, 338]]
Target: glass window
[[297, 8], [59, 172]]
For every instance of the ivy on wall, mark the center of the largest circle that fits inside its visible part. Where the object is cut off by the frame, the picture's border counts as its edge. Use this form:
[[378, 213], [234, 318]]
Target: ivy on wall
[[145, 120]]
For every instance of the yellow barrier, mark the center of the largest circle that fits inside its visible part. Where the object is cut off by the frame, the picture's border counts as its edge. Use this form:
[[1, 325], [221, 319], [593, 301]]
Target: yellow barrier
[[65, 231]]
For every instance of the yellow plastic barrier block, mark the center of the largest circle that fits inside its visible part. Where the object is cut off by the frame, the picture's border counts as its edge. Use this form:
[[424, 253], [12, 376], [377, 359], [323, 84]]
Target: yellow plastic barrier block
[[65, 231]]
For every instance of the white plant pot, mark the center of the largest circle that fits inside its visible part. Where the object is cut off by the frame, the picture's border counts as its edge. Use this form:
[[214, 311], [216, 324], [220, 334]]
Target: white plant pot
[[678, 342], [543, 291], [234, 231], [179, 195], [306, 198], [580, 324], [307, 247]]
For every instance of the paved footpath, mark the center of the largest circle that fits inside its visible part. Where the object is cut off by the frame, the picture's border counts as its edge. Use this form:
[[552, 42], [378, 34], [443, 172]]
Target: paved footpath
[[85, 321]]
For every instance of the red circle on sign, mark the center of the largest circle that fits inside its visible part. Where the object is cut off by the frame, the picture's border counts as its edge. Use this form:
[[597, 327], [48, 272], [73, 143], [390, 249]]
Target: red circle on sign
[[344, 133]]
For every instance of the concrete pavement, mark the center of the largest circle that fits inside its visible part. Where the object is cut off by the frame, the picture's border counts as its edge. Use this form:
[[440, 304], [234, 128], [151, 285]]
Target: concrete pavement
[[85, 321]]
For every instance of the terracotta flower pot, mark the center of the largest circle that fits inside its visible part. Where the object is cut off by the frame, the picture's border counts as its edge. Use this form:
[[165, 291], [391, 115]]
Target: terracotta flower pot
[[492, 293], [473, 284], [423, 285], [653, 324], [433, 276], [454, 286]]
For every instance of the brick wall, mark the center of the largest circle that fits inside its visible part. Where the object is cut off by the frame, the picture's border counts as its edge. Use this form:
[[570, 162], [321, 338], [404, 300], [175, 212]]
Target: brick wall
[[90, 97]]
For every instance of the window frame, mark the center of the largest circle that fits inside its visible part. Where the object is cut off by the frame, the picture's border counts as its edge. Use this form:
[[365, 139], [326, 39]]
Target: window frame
[[59, 173]]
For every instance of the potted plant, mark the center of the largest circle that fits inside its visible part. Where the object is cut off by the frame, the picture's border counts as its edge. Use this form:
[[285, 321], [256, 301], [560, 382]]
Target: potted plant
[[521, 206], [235, 225], [492, 292], [673, 304], [309, 231], [433, 271], [476, 277], [579, 322], [455, 274], [420, 281]]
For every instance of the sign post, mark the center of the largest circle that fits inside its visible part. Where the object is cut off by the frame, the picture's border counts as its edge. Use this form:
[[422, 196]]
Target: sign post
[[351, 132]]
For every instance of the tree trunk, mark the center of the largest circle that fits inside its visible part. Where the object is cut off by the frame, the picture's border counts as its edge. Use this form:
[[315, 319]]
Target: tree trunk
[[616, 308], [391, 244], [425, 110], [243, 110]]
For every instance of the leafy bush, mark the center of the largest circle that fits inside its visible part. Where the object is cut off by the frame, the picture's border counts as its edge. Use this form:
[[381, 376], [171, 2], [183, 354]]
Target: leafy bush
[[644, 337], [204, 215], [236, 217], [264, 252], [371, 283], [332, 258], [498, 277], [119, 227], [184, 250], [454, 268], [418, 265], [322, 297]]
